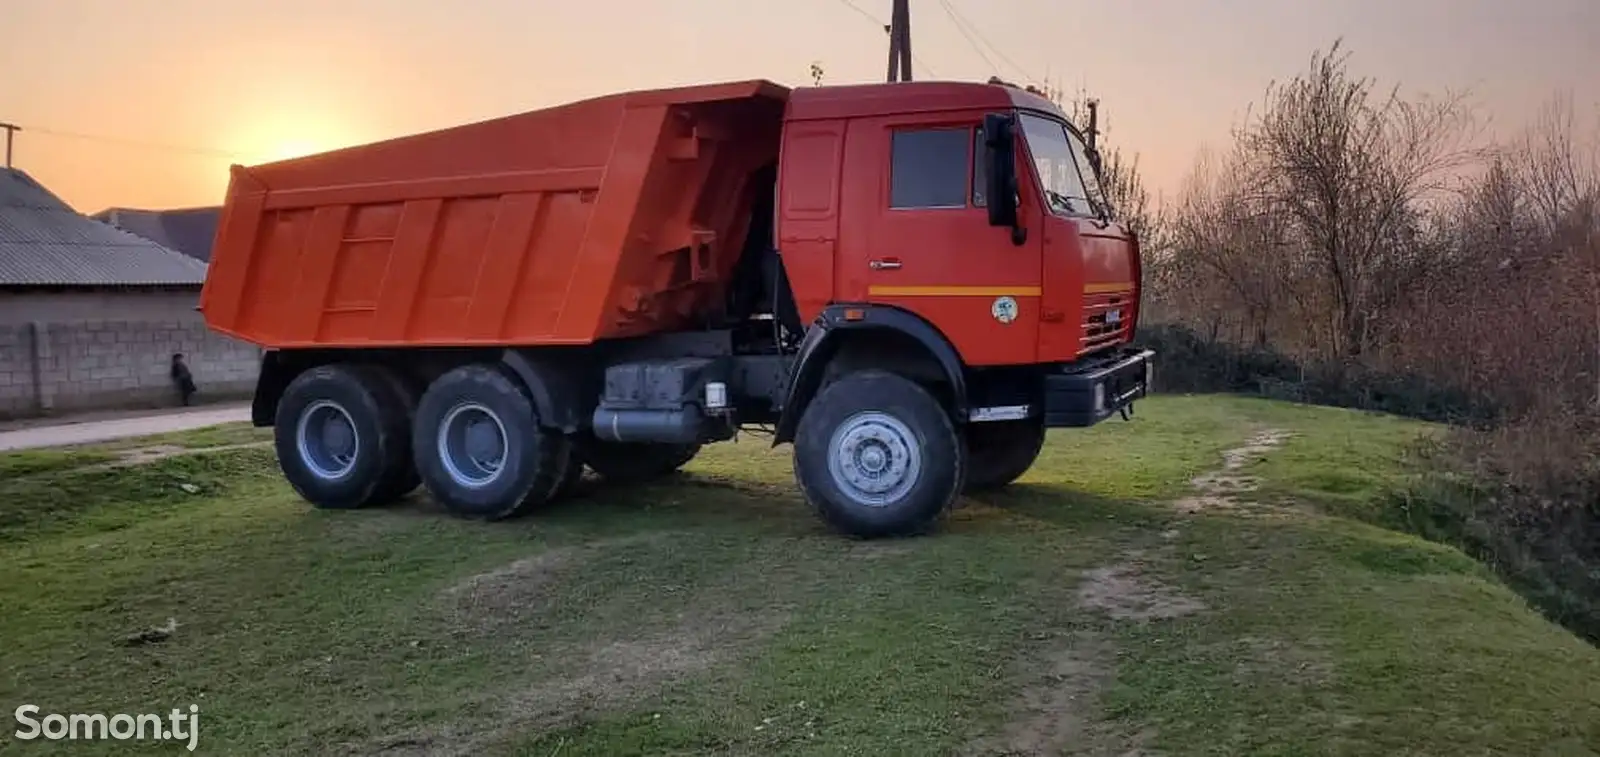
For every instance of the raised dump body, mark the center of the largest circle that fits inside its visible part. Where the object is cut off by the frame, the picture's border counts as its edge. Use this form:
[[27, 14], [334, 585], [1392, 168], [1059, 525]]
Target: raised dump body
[[611, 217]]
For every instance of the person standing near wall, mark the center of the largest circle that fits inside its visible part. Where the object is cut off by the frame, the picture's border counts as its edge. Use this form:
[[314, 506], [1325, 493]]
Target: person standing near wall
[[182, 378]]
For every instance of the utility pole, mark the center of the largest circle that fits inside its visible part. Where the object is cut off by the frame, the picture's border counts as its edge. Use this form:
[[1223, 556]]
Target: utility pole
[[900, 42], [11, 130]]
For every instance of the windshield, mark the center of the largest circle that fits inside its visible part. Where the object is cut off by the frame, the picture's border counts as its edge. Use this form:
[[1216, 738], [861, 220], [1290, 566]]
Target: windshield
[[1091, 182], [1056, 158]]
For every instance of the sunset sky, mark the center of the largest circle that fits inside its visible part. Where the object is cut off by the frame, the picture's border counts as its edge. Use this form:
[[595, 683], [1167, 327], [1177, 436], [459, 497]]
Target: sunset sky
[[144, 103]]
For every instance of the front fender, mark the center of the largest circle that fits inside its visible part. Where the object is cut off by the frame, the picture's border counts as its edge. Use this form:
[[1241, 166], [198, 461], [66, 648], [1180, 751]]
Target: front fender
[[822, 341]]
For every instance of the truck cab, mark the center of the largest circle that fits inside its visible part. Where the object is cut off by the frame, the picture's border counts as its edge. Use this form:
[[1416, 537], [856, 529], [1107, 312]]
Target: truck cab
[[972, 214], [886, 199]]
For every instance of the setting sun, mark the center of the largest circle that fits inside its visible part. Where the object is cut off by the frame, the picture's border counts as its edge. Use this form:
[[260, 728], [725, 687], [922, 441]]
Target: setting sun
[[285, 139], [286, 127], [293, 148]]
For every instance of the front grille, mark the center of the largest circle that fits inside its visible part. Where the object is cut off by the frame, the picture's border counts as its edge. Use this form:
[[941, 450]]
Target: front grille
[[1099, 331]]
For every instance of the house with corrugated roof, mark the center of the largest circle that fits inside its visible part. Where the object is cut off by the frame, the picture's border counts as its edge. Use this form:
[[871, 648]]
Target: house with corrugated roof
[[59, 265], [190, 231], [92, 315]]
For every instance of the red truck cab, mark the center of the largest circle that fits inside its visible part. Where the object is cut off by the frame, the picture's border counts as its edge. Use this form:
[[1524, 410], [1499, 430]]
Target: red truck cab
[[888, 198]]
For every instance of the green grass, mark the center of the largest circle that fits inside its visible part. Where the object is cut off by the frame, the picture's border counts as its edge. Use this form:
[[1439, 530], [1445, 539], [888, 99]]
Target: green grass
[[713, 614], [33, 462]]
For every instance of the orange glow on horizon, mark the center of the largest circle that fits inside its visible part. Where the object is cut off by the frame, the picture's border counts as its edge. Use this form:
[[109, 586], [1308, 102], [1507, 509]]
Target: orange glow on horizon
[[113, 120]]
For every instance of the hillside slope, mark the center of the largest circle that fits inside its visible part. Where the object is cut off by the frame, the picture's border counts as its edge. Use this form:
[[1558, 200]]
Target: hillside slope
[[1170, 585]]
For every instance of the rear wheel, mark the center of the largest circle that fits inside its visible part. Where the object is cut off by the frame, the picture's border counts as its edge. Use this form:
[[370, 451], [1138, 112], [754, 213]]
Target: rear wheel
[[1000, 452], [877, 455], [402, 479], [340, 442], [479, 447], [636, 462]]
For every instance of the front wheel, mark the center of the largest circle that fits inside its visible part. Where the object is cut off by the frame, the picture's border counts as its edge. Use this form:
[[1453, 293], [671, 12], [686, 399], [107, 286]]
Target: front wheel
[[1000, 452], [877, 455]]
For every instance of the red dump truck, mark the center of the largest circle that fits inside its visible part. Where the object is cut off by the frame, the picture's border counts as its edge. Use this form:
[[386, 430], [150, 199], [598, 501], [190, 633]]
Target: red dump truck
[[908, 282]]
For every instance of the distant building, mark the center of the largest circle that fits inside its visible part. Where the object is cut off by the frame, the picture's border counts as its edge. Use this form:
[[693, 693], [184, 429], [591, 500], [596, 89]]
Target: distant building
[[58, 265], [91, 315], [190, 231]]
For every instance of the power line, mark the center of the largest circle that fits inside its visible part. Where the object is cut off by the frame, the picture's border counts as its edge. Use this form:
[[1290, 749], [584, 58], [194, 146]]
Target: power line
[[864, 13], [951, 12], [134, 143], [961, 20]]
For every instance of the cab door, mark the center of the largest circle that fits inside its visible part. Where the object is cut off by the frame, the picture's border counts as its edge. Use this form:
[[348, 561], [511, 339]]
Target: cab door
[[923, 241]]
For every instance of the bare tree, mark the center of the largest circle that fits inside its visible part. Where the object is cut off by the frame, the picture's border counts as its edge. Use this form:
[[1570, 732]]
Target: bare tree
[[1350, 166]]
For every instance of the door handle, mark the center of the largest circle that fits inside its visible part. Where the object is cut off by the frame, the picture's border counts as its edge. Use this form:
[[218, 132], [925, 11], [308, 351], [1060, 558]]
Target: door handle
[[886, 264]]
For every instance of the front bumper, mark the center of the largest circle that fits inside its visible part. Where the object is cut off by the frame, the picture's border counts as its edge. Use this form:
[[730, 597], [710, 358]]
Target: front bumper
[[1085, 393]]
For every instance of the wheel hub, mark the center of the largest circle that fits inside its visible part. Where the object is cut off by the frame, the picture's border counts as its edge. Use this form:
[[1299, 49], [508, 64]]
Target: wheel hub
[[338, 437], [472, 445], [326, 439], [875, 459]]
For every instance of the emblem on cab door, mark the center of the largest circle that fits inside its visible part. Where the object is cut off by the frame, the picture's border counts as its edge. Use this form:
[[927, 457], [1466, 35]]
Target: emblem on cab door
[[1004, 309]]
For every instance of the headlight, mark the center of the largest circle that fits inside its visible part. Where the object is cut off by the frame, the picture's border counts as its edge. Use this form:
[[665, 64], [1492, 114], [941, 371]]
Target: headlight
[[716, 395]]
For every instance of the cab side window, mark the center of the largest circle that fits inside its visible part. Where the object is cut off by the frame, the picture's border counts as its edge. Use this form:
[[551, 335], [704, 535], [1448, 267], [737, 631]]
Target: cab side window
[[930, 167]]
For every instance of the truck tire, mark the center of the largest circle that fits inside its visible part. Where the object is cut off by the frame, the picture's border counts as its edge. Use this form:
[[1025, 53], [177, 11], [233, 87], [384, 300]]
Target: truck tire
[[877, 455], [403, 479], [479, 447], [636, 462], [340, 443], [999, 453]]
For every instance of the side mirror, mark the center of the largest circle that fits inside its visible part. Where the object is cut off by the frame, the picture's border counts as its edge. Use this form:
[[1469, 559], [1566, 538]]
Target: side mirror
[[999, 165], [1000, 168]]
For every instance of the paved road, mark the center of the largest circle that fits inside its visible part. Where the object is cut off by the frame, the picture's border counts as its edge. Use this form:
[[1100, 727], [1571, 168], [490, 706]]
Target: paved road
[[104, 430]]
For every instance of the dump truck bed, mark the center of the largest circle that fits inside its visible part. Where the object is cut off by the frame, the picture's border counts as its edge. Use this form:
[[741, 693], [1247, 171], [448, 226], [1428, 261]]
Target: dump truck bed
[[612, 217]]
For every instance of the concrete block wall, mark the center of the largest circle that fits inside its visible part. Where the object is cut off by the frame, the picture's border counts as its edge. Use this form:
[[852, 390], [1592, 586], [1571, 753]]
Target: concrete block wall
[[48, 368], [17, 394]]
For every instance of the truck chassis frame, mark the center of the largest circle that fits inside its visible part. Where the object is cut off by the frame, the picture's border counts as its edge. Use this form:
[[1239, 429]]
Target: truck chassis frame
[[889, 427]]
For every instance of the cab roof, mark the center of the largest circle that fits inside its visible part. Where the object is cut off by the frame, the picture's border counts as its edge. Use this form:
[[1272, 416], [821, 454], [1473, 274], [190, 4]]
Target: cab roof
[[858, 100]]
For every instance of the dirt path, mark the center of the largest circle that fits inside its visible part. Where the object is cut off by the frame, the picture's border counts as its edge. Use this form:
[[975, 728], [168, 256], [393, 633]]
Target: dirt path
[[145, 455], [1057, 711], [1220, 489], [63, 434]]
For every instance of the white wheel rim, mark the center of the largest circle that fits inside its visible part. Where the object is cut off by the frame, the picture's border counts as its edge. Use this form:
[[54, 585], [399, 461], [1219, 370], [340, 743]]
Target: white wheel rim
[[326, 439], [874, 459], [472, 445]]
